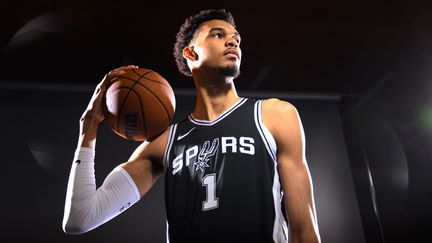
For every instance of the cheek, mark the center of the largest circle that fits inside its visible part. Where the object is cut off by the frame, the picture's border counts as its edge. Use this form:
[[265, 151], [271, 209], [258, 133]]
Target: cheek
[[201, 52], [207, 54]]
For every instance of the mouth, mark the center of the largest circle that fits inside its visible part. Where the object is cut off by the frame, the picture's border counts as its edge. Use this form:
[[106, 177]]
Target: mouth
[[231, 53]]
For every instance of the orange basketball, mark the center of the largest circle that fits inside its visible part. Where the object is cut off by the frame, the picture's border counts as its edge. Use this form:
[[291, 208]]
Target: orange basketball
[[140, 104]]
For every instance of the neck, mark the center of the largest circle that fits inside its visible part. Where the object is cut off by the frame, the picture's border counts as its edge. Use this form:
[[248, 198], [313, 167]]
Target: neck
[[214, 96]]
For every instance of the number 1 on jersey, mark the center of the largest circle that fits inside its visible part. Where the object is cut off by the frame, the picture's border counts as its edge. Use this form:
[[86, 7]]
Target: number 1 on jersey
[[211, 202]]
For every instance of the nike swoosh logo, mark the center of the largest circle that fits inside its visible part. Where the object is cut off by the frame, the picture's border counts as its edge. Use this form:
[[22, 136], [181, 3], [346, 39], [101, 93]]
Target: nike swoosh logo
[[184, 135], [78, 161]]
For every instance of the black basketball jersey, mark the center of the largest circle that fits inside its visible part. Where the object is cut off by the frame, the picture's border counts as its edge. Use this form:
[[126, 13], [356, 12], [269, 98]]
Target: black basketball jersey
[[221, 181]]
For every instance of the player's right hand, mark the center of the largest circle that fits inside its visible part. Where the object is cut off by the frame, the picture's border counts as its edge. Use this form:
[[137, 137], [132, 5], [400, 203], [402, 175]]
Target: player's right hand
[[94, 114]]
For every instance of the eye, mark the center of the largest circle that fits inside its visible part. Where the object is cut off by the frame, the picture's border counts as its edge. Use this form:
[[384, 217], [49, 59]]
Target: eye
[[218, 35]]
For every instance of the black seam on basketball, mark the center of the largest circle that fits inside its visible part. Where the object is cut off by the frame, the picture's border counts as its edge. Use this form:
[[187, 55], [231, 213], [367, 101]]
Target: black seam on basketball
[[149, 79], [133, 80], [145, 87], [142, 76], [139, 74], [124, 100], [141, 107], [121, 109], [142, 113], [155, 81], [160, 101]]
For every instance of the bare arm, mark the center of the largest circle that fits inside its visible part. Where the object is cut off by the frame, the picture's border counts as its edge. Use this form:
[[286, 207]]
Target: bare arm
[[87, 207], [145, 165], [284, 123]]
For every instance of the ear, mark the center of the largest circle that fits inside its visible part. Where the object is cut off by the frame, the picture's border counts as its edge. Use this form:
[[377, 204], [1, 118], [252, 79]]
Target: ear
[[190, 54]]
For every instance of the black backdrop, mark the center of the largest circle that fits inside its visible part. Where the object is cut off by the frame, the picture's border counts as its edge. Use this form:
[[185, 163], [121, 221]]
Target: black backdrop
[[40, 128]]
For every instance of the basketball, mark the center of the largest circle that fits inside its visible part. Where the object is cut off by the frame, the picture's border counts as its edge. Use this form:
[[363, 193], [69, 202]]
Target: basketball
[[140, 104]]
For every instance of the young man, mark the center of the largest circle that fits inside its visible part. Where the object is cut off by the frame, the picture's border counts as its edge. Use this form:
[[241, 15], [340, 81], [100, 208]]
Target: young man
[[235, 169]]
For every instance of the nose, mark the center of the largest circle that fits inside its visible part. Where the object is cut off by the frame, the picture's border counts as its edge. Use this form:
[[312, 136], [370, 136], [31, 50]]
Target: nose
[[232, 42]]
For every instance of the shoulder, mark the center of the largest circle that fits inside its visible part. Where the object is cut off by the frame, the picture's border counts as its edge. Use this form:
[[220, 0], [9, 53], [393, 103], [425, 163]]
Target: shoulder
[[280, 116], [276, 111], [275, 106]]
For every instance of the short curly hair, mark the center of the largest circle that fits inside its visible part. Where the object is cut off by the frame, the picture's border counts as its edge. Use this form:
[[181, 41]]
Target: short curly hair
[[187, 32]]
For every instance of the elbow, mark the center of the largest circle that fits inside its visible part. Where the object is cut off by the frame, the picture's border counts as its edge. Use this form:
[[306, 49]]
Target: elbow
[[73, 227]]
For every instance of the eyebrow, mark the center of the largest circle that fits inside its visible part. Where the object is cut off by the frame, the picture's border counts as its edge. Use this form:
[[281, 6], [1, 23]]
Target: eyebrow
[[223, 30]]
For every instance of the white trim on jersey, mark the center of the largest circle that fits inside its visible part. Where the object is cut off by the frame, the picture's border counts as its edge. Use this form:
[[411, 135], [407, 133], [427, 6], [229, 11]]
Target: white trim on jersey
[[220, 117], [167, 232], [266, 135], [280, 228], [171, 133]]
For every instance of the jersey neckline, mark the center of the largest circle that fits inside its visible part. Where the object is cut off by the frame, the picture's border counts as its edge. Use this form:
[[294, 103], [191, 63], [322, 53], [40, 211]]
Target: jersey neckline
[[220, 117]]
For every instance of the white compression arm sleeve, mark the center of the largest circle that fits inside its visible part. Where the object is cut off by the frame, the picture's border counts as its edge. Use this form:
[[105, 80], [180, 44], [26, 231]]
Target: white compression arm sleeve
[[85, 207]]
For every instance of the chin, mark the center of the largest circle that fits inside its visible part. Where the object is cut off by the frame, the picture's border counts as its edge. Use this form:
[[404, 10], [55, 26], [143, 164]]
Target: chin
[[231, 71]]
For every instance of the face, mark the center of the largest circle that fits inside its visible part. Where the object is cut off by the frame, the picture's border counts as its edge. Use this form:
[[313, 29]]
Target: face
[[217, 46]]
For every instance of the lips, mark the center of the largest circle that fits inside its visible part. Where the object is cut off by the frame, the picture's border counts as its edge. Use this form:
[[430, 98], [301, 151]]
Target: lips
[[232, 52]]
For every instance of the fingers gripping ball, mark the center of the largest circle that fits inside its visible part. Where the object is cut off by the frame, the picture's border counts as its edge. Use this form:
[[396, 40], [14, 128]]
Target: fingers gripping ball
[[140, 104]]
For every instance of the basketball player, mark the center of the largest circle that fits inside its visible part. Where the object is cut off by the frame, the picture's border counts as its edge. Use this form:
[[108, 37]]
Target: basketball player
[[235, 168]]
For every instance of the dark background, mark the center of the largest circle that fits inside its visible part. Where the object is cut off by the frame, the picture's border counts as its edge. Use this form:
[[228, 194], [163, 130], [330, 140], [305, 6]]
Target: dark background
[[358, 71]]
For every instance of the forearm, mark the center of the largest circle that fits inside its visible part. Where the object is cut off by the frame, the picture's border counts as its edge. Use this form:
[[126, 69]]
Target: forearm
[[88, 132], [85, 207], [299, 202]]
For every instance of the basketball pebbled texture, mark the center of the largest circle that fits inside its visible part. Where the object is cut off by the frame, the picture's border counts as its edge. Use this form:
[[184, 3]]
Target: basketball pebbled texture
[[140, 104]]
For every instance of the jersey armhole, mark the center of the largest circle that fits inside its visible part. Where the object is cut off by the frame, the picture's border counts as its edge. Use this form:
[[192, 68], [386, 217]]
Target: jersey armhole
[[280, 228], [267, 137], [171, 134]]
